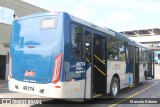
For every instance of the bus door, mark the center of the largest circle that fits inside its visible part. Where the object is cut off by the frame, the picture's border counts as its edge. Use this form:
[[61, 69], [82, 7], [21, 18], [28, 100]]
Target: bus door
[[88, 54], [99, 65], [133, 64], [150, 74], [136, 64], [130, 65]]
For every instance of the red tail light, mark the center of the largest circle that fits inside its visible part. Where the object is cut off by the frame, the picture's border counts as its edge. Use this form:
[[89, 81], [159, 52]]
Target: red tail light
[[57, 68], [10, 66]]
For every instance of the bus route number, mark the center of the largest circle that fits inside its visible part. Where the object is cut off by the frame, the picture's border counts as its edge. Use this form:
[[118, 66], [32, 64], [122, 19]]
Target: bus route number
[[80, 67]]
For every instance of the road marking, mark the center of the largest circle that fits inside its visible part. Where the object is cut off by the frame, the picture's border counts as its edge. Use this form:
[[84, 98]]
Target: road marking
[[133, 95], [97, 95]]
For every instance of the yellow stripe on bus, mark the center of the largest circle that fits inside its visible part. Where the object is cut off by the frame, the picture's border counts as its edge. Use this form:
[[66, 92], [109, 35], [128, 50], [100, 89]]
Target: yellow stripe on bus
[[99, 70], [100, 60], [87, 59]]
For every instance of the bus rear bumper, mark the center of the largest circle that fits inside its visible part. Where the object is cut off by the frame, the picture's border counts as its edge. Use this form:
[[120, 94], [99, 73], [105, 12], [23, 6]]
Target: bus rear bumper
[[60, 90]]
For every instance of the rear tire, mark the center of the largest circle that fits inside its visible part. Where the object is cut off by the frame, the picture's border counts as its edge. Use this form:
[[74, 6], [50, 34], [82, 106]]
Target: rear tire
[[142, 83], [114, 88]]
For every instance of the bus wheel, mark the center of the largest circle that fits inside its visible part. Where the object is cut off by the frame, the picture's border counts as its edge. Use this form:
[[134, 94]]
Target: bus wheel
[[114, 88]]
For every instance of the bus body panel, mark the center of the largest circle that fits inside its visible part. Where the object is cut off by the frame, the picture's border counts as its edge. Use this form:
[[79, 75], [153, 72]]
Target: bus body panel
[[60, 90], [117, 67], [72, 63], [88, 83], [37, 60], [34, 49]]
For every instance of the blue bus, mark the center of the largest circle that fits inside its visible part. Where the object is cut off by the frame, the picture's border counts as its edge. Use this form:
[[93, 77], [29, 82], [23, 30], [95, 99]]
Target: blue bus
[[58, 55]]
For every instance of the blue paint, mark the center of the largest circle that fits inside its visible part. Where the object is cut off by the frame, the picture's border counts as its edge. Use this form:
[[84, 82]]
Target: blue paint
[[129, 67], [47, 44]]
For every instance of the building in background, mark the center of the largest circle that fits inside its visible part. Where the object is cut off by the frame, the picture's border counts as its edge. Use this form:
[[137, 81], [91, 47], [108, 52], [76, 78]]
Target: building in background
[[148, 37], [7, 9]]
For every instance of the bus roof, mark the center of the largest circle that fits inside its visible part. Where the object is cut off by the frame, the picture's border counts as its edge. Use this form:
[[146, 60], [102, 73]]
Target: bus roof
[[91, 25], [37, 15], [107, 30]]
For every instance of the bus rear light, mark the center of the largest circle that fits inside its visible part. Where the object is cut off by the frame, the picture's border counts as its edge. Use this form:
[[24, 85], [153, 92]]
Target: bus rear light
[[71, 80], [57, 69], [57, 86], [10, 66]]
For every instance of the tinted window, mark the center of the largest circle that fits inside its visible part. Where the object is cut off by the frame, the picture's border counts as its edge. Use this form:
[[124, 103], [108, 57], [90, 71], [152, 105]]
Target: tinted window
[[99, 47], [77, 40], [130, 53], [87, 35], [140, 54], [112, 48], [144, 55], [121, 49], [137, 55], [126, 47]]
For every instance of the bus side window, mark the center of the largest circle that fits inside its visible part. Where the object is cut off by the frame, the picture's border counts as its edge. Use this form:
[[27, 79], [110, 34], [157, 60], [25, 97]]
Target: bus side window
[[144, 55], [140, 53], [137, 55], [121, 50], [87, 36], [130, 54], [77, 40], [112, 52], [126, 48]]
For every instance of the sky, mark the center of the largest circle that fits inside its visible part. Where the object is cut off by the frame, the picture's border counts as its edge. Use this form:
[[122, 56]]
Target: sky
[[119, 15]]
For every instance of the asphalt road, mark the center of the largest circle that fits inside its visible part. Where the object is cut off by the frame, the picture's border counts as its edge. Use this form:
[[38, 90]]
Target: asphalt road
[[150, 89]]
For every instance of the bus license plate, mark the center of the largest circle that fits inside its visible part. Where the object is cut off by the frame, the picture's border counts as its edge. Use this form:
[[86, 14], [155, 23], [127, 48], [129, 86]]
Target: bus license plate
[[28, 88]]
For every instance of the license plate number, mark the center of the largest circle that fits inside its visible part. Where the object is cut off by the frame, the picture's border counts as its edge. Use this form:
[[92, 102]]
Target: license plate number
[[28, 88]]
